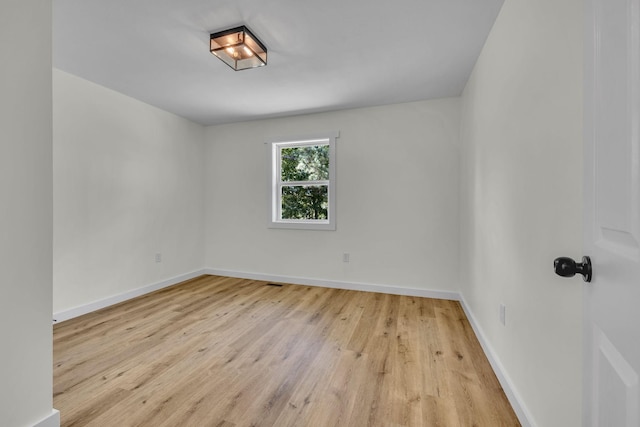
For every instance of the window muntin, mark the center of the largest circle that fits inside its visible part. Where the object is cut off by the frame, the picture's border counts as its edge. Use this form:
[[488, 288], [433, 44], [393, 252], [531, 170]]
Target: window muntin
[[302, 183]]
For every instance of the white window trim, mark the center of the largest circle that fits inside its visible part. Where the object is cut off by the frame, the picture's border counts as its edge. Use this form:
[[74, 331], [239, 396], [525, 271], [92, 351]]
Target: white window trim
[[274, 209]]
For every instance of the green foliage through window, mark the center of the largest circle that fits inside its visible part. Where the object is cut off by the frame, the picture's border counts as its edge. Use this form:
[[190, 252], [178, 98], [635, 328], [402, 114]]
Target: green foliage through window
[[306, 170], [305, 202], [307, 163]]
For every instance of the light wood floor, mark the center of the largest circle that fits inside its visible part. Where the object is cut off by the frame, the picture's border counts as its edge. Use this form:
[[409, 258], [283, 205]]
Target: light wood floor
[[226, 352]]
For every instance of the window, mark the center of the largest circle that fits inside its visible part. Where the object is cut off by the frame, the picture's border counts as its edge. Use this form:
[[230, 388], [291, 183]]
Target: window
[[302, 182]]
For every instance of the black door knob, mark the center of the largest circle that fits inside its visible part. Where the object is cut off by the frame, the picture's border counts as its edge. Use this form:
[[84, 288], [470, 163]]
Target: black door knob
[[567, 267]]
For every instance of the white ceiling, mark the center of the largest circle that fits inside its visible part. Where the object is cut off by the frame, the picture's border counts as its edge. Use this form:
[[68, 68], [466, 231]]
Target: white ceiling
[[323, 55]]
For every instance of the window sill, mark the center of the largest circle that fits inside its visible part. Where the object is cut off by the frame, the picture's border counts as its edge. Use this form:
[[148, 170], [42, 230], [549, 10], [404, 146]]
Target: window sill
[[303, 225]]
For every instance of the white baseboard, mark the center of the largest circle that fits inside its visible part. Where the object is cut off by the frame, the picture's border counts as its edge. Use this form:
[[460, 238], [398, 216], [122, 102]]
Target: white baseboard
[[524, 416], [115, 299], [354, 286], [52, 420]]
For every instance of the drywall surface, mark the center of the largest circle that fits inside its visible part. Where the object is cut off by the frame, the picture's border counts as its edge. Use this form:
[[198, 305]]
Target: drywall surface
[[127, 186], [25, 213], [397, 198], [521, 201]]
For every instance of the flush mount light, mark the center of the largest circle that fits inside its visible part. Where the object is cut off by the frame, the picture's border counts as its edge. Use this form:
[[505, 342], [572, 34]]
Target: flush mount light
[[238, 48]]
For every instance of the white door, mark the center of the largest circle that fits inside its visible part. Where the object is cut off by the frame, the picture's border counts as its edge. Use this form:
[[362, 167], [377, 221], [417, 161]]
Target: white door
[[612, 213]]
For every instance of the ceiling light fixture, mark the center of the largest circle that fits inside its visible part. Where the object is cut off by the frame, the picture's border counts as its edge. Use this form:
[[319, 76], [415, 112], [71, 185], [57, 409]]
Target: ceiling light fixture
[[238, 48]]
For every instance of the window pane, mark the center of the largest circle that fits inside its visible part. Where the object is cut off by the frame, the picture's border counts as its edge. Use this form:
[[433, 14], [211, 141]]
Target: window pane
[[305, 202], [308, 163]]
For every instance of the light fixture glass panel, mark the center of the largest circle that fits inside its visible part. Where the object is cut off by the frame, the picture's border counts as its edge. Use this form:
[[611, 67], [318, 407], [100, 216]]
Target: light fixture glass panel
[[255, 47], [238, 48]]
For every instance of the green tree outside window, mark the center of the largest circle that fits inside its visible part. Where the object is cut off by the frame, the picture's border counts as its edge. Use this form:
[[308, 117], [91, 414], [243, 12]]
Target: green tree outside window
[[303, 197]]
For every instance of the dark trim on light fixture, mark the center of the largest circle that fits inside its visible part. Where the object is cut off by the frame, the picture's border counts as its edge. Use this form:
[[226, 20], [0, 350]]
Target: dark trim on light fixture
[[239, 48]]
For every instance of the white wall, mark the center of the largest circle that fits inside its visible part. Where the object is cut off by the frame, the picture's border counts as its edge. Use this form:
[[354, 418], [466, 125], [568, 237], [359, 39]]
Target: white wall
[[521, 201], [397, 198], [25, 213], [127, 185]]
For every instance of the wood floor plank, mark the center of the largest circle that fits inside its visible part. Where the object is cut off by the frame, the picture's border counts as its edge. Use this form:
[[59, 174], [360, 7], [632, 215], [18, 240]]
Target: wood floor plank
[[219, 351], [406, 360]]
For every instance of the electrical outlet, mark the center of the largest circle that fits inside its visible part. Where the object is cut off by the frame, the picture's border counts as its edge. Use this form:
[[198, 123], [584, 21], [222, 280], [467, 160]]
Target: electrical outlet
[[158, 257], [503, 314], [345, 257]]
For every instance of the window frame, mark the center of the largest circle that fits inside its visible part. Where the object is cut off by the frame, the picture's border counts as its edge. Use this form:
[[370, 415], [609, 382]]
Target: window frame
[[274, 151]]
